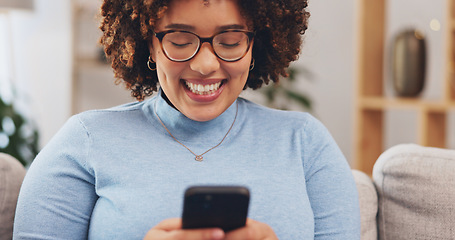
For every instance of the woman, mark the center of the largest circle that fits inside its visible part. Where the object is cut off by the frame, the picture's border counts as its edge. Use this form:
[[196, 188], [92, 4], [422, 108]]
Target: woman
[[120, 173]]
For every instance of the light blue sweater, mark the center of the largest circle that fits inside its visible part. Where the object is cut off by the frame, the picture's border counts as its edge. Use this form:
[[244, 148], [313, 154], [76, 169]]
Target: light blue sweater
[[114, 174]]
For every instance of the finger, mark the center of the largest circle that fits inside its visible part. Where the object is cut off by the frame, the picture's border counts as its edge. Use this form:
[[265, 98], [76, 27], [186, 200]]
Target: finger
[[244, 233], [252, 230], [162, 229], [171, 229], [199, 234], [170, 224]]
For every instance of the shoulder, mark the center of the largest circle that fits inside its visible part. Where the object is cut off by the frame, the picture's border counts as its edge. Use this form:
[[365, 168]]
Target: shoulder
[[117, 111], [301, 127], [113, 120], [266, 116], [126, 114]]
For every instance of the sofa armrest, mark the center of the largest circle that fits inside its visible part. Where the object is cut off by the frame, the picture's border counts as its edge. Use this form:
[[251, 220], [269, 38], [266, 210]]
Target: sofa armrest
[[368, 200], [416, 188], [11, 176]]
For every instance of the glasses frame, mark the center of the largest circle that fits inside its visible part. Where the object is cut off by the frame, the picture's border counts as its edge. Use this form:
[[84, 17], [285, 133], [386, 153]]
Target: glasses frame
[[160, 36]]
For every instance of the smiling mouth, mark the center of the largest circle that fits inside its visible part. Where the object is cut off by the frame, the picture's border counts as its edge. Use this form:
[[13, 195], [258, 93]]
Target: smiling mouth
[[201, 89]]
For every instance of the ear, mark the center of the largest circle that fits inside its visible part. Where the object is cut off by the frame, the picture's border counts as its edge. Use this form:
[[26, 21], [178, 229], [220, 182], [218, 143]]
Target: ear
[[151, 50]]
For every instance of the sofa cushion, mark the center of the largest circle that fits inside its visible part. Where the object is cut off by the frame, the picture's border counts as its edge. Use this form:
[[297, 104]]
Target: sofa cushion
[[368, 200], [416, 188], [11, 175]]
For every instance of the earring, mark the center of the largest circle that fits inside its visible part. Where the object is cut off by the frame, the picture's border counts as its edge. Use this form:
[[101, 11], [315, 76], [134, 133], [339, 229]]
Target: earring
[[150, 61], [252, 65]]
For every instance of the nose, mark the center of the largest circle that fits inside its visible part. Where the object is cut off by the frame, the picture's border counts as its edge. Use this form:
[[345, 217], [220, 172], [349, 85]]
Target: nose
[[205, 62]]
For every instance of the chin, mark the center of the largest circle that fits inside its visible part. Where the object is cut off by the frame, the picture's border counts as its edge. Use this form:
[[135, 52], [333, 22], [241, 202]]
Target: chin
[[203, 117]]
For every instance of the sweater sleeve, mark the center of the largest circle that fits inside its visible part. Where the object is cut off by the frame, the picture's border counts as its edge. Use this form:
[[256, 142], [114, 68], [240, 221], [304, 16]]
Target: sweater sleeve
[[58, 194], [330, 185]]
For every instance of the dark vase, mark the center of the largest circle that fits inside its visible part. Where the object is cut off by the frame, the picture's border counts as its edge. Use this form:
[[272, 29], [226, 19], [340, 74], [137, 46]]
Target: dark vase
[[409, 63]]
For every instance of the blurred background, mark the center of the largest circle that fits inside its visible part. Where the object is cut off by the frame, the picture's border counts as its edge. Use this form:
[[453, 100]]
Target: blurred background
[[51, 67]]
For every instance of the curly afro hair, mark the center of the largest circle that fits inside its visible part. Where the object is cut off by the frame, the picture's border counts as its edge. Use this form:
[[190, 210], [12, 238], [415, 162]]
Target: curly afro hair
[[127, 27]]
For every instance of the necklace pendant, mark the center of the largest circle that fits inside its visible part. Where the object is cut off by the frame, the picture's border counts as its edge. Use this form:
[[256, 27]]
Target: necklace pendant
[[199, 158]]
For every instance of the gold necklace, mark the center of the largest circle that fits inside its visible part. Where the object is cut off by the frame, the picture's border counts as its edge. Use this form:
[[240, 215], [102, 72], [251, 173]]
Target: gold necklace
[[199, 157]]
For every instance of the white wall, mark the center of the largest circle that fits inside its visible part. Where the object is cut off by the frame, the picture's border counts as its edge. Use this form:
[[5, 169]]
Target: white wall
[[329, 52], [43, 62], [94, 86], [5, 58]]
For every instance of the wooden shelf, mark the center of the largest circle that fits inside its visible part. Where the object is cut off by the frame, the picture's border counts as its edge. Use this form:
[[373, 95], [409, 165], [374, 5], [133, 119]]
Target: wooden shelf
[[371, 104], [371, 47], [451, 51], [380, 103]]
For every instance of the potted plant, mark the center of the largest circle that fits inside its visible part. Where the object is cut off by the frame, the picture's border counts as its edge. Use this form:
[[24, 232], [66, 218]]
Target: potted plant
[[18, 136], [281, 94]]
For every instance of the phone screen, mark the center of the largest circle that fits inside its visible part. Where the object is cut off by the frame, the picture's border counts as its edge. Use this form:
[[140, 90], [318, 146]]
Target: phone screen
[[225, 207]]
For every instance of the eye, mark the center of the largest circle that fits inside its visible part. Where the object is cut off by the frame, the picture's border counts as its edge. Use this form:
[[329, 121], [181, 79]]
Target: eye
[[179, 40], [180, 45], [230, 39], [229, 45]]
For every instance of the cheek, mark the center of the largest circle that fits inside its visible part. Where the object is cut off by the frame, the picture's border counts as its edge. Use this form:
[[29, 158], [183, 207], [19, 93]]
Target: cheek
[[168, 71], [240, 69]]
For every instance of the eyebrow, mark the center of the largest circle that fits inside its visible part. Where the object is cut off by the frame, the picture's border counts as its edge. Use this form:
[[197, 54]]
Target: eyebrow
[[192, 28], [180, 26], [231, 26]]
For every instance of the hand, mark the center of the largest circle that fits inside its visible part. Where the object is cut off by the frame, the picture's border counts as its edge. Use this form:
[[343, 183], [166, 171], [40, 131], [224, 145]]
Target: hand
[[253, 230], [172, 229]]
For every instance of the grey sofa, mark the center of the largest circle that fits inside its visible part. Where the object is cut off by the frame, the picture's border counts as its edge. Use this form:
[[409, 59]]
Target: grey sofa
[[411, 195], [11, 175]]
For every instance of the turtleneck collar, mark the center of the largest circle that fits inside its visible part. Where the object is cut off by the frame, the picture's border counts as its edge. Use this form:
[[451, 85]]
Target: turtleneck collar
[[186, 129]]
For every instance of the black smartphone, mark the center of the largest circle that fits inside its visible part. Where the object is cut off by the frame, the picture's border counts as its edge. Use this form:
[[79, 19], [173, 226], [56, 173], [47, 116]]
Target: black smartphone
[[225, 207]]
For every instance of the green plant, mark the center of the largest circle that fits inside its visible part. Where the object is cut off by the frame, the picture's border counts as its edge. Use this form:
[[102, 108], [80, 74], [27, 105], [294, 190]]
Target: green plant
[[18, 137], [286, 90]]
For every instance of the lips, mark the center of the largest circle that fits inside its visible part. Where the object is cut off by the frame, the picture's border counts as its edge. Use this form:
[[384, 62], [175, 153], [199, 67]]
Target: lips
[[203, 89]]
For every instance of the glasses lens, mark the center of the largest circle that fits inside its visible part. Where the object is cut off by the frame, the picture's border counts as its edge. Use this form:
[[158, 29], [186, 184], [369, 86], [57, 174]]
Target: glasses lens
[[231, 46], [180, 46]]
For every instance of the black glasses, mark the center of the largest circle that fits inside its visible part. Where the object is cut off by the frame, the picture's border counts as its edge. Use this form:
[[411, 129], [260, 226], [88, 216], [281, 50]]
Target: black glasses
[[181, 46]]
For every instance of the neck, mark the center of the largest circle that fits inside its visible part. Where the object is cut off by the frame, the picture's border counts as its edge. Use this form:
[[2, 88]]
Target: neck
[[184, 127], [163, 95]]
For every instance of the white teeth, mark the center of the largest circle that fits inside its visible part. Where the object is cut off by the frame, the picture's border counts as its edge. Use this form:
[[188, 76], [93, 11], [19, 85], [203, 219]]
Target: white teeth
[[203, 89]]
